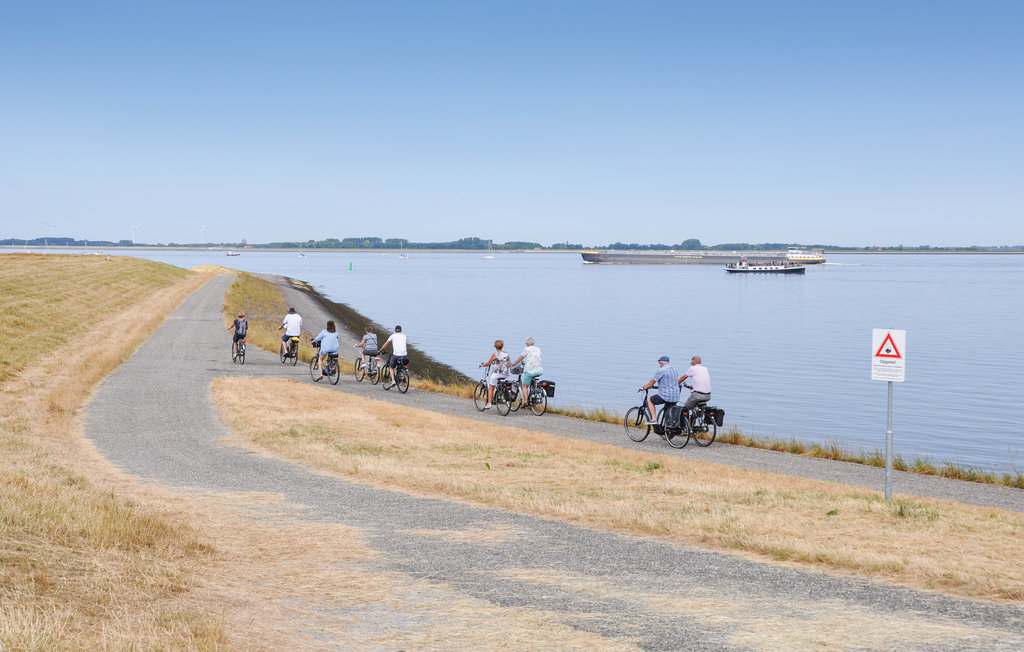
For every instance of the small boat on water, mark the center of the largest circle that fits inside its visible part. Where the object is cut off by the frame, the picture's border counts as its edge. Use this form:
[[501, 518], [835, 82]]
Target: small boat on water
[[232, 253], [801, 255], [763, 266]]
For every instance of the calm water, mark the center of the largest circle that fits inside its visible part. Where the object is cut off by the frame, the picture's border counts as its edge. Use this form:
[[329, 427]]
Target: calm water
[[789, 356]]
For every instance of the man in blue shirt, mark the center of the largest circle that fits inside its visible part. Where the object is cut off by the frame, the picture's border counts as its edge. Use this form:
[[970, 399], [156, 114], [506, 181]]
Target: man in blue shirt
[[667, 380]]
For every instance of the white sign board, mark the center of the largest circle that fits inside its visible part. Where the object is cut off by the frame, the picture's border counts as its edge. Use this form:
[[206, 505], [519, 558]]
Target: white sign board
[[888, 354]]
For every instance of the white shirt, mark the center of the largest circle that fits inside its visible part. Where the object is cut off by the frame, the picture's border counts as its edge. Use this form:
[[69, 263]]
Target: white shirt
[[398, 344], [699, 378], [292, 324]]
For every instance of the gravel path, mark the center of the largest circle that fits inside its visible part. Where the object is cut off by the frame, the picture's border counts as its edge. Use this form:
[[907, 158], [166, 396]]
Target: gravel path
[[152, 418]]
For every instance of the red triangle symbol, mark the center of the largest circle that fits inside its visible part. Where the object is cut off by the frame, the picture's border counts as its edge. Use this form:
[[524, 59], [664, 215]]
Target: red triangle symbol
[[888, 348]]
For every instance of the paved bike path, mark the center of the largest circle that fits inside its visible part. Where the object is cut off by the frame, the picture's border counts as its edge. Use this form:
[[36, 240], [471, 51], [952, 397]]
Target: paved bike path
[[152, 417]]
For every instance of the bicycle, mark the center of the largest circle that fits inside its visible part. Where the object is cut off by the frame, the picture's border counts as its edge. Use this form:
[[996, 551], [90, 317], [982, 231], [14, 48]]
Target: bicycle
[[370, 369], [639, 425], [701, 422], [401, 374], [238, 352], [291, 351], [507, 397], [480, 392], [331, 370], [537, 395]]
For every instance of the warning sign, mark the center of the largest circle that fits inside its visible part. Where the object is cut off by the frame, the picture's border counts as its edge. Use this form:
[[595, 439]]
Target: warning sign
[[889, 354]]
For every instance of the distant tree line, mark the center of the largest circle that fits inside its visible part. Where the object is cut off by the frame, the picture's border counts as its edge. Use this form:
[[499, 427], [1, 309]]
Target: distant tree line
[[479, 244]]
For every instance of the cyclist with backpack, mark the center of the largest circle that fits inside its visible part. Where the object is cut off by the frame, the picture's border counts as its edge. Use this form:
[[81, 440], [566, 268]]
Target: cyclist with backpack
[[501, 365], [241, 325], [369, 343]]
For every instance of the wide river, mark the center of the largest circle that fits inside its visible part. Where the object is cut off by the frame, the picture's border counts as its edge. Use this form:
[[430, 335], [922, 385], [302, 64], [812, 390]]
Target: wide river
[[790, 356]]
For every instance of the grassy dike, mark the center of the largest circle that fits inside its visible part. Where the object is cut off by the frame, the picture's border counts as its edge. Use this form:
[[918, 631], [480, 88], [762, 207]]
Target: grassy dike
[[83, 566]]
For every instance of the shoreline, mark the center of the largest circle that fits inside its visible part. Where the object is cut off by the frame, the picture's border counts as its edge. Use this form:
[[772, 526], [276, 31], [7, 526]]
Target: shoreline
[[443, 374], [221, 249]]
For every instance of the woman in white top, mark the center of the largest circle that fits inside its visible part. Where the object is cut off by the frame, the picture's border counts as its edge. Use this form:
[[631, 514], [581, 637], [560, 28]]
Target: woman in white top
[[500, 364]]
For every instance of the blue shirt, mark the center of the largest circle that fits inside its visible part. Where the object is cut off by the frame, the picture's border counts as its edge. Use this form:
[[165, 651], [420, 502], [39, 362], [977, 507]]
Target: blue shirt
[[328, 341], [667, 380]]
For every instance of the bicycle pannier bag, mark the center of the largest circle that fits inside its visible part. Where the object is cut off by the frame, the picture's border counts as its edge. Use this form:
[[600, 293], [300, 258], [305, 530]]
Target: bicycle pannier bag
[[672, 419], [549, 387], [718, 414]]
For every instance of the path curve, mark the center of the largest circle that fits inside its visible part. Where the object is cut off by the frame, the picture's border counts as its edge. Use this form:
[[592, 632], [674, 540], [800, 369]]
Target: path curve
[[153, 418]]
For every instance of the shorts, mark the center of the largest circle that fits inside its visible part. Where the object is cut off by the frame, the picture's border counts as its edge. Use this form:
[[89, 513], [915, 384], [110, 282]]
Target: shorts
[[397, 360], [495, 376], [326, 351], [528, 378], [657, 400], [370, 352], [237, 337], [285, 338]]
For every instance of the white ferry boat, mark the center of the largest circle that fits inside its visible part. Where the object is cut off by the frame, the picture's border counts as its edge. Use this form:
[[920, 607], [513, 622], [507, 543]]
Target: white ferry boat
[[744, 266], [801, 255]]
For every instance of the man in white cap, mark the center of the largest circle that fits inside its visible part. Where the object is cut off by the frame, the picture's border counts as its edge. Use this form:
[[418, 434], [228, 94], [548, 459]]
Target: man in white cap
[[667, 380]]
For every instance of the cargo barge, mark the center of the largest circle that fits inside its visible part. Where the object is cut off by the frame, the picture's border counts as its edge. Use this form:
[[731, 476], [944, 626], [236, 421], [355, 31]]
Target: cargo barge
[[670, 257]]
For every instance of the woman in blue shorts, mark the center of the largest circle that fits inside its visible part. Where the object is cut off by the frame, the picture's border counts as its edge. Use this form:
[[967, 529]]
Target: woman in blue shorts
[[328, 339]]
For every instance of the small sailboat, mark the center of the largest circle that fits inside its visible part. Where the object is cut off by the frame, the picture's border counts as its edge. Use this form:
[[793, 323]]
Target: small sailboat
[[301, 255], [401, 252], [490, 251]]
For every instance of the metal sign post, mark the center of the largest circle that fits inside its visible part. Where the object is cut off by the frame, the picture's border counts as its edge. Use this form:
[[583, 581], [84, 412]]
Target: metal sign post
[[888, 363]]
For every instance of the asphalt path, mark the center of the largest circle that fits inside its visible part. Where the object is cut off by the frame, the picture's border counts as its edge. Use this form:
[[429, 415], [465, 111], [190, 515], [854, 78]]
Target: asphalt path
[[152, 418]]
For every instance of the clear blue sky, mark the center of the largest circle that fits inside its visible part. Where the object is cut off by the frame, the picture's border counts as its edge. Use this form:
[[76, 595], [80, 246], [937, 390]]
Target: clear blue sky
[[852, 123]]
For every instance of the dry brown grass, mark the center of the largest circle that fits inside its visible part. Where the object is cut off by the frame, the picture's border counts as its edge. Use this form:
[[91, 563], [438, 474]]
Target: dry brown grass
[[82, 568], [93, 560], [923, 543]]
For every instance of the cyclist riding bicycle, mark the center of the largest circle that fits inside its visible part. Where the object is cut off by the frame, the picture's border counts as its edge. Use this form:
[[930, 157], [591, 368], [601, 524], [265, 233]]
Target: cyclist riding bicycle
[[369, 344], [399, 352], [532, 367], [328, 339], [292, 326], [667, 380], [240, 325], [700, 379]]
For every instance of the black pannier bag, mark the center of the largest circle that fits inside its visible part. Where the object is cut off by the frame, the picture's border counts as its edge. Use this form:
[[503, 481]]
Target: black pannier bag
[[717, 414], [673, 420], [549, 387]]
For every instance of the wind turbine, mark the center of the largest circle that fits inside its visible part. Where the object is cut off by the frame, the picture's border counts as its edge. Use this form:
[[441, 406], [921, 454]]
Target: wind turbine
[[53, 232], [204, 234], [133, 230]]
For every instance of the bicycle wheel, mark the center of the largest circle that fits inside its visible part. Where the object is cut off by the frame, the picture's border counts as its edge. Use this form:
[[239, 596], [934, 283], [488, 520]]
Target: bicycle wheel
[[480, 396], [385, 377], [538, 400], [402, 379], [636, 427], [333, 371], [295, 354], [284, 355], [374, 373], [234, 356], [678, 440], [314, 368], [501, 403], [241, 352], [515, 397], [705, 434], [359, 369]]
